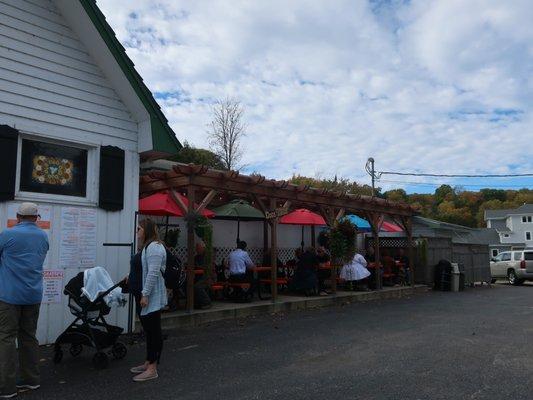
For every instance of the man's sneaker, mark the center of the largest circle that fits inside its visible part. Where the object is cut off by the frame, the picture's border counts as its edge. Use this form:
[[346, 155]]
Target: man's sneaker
[[8, 396], [24, 388]]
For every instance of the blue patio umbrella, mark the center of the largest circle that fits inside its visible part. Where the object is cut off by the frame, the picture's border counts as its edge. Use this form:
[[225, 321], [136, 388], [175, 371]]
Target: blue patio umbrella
[[361, 224]]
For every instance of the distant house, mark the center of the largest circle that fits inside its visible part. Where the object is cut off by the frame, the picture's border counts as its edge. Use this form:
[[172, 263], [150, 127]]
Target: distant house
[[514, 228]]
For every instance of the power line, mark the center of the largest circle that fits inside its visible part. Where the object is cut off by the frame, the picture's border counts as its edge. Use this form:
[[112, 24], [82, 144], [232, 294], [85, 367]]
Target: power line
[[454, 184], [453, 175]]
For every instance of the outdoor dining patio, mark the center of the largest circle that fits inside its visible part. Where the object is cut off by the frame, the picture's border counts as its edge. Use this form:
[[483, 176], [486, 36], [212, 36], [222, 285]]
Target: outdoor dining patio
[[187, 191]]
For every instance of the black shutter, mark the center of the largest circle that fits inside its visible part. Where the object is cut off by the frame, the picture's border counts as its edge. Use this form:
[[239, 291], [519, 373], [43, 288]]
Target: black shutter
[[8, 162], [111, 193]]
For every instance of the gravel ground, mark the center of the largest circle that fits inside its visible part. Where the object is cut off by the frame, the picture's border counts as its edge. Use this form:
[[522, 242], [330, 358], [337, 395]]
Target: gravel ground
[[470, 345]]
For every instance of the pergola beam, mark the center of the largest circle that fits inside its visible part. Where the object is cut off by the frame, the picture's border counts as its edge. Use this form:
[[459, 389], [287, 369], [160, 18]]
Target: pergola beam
[[230, 181], [207, 199]]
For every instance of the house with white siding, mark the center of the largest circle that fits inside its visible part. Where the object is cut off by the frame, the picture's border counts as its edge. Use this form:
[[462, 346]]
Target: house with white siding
[[514, 228], [76, 120]]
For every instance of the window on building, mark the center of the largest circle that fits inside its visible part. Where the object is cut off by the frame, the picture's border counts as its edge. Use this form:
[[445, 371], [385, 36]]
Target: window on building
[[505, 235], [524, 219], [528, 235], [494, 252], [53, 169], [529, 218]]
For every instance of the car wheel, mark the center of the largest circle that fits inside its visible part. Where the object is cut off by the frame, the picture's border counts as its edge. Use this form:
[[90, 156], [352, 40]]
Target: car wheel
[[513, 279]]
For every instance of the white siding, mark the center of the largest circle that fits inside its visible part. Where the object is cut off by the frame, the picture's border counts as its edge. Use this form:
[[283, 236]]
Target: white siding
[[50, 87], [47, 76]]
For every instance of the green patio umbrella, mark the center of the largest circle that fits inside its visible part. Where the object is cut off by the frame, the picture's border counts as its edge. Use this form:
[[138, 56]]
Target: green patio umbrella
[[239, 210]]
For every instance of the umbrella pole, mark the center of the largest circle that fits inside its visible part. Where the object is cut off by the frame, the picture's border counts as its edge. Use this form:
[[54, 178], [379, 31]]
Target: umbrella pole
[[238, 231], [302, 238], [166, 230]]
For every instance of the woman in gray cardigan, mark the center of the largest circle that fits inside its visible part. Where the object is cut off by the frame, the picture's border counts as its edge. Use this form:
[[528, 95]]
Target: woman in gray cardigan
[[152, 298]]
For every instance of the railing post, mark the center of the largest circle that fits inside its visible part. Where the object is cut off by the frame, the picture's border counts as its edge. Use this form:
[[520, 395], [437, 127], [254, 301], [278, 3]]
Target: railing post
[[191, 192], [274, 251]]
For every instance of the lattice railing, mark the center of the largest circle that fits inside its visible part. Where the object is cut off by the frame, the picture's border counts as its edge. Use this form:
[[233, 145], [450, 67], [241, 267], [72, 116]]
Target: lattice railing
[[256, 254], [388, 242]]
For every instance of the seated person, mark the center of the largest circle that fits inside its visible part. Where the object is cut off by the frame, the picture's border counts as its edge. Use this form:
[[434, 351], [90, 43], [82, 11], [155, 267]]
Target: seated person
[[403, 259], [239, 265], [323, 259], [389, 265], [291, 264], [305, 276], [355, 271]]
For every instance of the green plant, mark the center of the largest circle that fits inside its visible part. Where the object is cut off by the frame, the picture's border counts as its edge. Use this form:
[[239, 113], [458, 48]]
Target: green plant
[[204, 230], [172, 237], [323, 239], [342, 241]]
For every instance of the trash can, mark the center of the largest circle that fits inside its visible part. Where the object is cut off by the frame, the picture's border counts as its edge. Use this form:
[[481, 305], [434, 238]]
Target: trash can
[[461, 281], [443, 276], [456, 278]]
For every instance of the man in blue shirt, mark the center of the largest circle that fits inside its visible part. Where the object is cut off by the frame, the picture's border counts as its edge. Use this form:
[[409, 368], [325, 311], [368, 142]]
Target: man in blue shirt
[[23, 249], [240, 269]]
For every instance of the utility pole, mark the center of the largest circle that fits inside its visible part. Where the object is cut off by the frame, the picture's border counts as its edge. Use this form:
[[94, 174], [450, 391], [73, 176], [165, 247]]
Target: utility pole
[[370, 170]]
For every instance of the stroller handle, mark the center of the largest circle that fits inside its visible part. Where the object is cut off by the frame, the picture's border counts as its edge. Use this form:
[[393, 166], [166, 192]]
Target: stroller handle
[[99, 298], [104, 294]]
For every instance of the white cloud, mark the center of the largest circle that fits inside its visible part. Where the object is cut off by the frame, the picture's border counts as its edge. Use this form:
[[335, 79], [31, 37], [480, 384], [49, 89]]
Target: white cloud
[[434, 86]]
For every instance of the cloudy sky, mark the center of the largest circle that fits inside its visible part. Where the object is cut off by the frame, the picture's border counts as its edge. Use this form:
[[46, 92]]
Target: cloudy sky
[[440, 86]]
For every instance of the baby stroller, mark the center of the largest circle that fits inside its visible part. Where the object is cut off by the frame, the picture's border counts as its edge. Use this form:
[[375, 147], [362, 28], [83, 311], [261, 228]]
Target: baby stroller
[[90, 295]]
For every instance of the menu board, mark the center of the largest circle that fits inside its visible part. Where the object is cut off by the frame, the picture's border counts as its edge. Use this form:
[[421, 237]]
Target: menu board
[[52, 286], [78, 238]]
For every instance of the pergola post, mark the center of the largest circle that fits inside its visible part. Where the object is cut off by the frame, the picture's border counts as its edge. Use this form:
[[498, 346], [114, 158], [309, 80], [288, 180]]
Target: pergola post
[[265, 237], [274, 252], [375, 222], [407, 225], [190, 249], [329, 215], [409, 230]]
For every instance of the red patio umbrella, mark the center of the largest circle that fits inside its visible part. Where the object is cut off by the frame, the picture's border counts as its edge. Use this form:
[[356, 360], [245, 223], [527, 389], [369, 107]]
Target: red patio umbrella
[[390, 227], [302, 217], [162, 204]]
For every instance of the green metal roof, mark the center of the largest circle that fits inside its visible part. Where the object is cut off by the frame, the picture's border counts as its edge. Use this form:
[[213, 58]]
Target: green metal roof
[[163, 137]]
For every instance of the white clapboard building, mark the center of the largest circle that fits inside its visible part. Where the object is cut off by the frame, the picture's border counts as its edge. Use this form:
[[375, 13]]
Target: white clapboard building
[[75, 122]]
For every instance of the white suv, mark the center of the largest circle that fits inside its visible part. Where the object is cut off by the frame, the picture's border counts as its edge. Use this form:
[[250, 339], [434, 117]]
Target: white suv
[[516, 266]]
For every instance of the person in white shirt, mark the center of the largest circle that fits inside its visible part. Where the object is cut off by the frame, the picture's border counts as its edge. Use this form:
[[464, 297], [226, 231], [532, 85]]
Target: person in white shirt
[[239, 266], [354, 271]]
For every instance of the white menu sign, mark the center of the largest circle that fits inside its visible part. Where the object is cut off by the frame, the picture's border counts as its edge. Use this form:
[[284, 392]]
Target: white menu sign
[[78, 238], [52, 286]]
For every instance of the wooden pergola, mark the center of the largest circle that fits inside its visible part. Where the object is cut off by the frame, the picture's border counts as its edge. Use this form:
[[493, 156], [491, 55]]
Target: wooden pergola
[[274, 199]]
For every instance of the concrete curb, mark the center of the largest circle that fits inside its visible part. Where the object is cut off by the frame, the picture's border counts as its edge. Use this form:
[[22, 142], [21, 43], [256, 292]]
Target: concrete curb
[[229, 311]]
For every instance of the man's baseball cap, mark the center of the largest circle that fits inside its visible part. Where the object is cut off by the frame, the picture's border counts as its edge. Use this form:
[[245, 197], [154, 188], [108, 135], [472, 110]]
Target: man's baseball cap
[[28, 210]]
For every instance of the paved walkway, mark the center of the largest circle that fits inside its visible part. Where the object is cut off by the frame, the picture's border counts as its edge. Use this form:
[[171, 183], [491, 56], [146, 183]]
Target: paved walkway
[[475, 344]]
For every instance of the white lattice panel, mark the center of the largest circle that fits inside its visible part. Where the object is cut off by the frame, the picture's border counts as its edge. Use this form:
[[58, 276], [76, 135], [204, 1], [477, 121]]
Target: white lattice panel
[[221, 253]]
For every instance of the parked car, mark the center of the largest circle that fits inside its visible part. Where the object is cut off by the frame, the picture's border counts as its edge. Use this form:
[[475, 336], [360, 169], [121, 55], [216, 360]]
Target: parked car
[[516, 266]]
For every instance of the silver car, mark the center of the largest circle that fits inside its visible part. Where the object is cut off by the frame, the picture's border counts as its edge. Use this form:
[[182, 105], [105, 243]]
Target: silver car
[[516, 266]]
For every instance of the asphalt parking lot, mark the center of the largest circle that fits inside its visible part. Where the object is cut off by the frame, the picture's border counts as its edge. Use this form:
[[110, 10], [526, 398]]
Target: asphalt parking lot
[[475, 344]]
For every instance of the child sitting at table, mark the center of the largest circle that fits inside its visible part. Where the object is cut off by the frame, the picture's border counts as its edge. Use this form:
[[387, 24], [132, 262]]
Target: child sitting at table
[[354, 271]]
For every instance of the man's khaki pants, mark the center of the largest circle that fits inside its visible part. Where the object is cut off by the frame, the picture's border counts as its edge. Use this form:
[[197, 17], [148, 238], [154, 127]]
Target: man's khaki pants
[[18, 323]]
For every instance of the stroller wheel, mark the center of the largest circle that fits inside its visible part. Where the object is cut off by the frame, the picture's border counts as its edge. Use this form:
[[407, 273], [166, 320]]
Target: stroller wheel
[[75, 350], [119, 350], [100, 360], [58, 355]]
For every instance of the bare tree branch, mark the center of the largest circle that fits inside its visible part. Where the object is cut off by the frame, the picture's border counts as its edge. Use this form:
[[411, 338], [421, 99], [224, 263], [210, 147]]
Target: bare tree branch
[[226, 131]]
